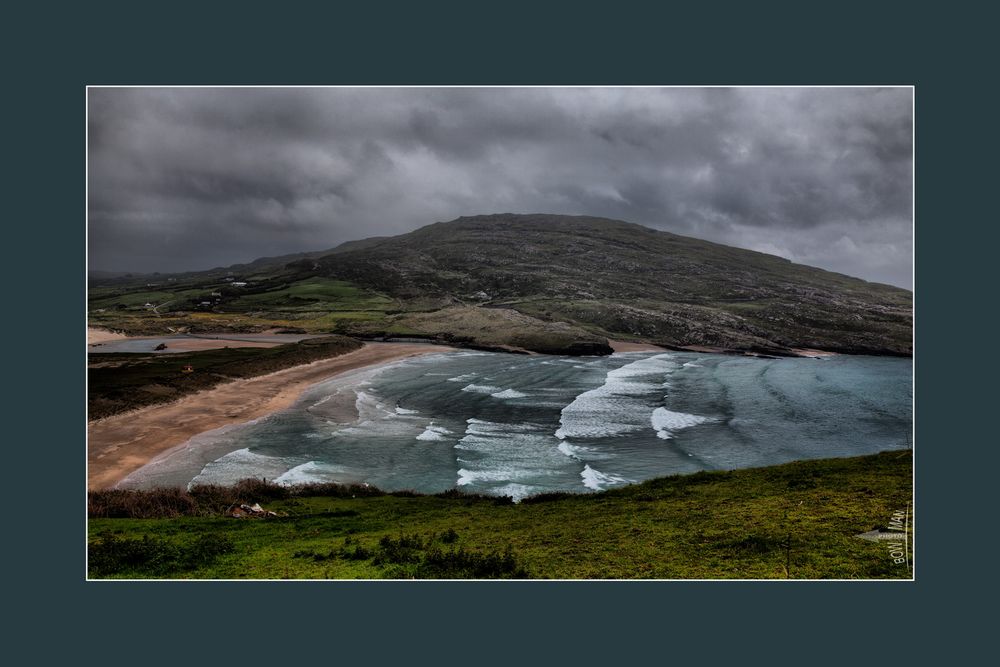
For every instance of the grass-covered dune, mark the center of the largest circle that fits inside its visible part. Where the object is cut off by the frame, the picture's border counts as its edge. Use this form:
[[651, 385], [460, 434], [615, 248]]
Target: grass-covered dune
[[121, 382], [797, 520]]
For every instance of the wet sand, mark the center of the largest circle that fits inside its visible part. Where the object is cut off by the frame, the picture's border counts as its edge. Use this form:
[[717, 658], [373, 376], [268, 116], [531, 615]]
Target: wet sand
[[120, 445]]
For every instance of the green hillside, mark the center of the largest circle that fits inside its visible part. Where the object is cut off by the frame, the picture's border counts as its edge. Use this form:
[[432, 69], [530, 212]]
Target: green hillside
[[798, 520]]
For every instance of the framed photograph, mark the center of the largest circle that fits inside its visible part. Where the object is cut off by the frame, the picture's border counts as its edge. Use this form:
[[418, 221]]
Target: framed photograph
[[500, 332]]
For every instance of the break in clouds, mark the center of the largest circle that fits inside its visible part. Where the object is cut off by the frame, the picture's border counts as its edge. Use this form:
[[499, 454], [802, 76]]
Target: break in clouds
[[185, 179]]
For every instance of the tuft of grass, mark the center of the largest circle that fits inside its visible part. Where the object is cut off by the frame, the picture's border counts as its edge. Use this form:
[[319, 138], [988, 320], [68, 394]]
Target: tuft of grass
[[153, 556]]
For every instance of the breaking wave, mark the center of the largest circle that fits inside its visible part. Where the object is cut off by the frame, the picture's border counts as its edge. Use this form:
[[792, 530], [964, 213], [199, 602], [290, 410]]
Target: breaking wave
[[508, 393], [618, 405], [481, 388], [598, 481], [238, 465], [312, 472], [665, 422], [433, 432]]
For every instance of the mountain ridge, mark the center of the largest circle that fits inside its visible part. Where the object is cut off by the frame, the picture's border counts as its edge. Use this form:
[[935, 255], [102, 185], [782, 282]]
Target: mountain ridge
[[545, 282], [575, 268]]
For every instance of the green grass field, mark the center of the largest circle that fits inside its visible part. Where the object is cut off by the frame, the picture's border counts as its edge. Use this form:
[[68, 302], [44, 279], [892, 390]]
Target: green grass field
[[315, 304], [317, 293], [797, 521]]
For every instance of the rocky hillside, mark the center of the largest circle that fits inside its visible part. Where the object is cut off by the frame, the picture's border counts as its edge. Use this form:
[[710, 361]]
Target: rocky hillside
[[620, 280], [544, 283]]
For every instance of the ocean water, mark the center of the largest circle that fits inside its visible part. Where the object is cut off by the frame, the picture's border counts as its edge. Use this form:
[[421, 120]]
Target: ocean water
[[520, 425]]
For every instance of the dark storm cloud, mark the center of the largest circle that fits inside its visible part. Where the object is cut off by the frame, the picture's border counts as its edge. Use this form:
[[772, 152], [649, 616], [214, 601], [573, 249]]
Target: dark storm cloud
[[193, 178]]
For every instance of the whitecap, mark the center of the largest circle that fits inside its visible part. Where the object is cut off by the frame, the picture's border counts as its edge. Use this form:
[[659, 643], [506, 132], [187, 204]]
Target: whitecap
[[495, 453], [665, 422], [572, 451], [615, 408], [433, 432], [517, 492], [312, 472], [481, 388], [240, 464], [598, 481], [508, 393]]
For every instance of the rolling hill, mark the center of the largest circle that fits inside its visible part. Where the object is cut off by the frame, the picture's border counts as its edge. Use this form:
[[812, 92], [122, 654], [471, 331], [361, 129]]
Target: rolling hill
[[545, 283]]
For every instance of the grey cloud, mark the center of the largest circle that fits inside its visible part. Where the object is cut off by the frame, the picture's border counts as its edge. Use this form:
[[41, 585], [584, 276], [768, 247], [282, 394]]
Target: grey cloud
[[192, 178]]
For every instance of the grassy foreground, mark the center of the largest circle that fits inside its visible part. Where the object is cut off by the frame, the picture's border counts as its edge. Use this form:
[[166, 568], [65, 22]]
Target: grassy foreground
[[797, 520]]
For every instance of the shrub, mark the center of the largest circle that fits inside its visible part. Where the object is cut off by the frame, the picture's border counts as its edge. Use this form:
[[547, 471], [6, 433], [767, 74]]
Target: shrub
[[462, 564], [151, 556]]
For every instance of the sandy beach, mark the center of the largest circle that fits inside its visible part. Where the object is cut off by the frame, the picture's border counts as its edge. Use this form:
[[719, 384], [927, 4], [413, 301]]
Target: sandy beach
[[119, 445], [102, 336]]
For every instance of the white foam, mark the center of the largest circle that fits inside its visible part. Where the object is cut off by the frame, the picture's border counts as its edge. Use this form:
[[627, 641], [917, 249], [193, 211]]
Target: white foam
[[312, 472], [495, 453], [321, 401], [517, 492], [488, 428], [481, 388], [616, 407], [665, 422], [581, 453], [508, 393], [466, 477], [469, 476], [572, 451], [433, 432], [598, 481], [404, 411], [463, 378], [238, 465]]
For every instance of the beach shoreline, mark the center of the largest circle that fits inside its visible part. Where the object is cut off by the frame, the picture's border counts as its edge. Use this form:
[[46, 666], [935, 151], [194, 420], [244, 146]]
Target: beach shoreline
[[95, 336], [121, 444]]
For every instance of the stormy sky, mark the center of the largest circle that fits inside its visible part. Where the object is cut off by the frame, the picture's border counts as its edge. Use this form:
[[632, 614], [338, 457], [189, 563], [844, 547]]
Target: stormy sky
[[193, 178]]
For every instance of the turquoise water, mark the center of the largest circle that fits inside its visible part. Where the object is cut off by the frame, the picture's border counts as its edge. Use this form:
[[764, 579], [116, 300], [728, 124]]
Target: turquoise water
[[520, 425]]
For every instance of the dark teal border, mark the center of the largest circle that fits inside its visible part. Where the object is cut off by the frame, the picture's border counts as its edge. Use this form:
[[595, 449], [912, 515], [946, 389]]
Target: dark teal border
[[52, 52]]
